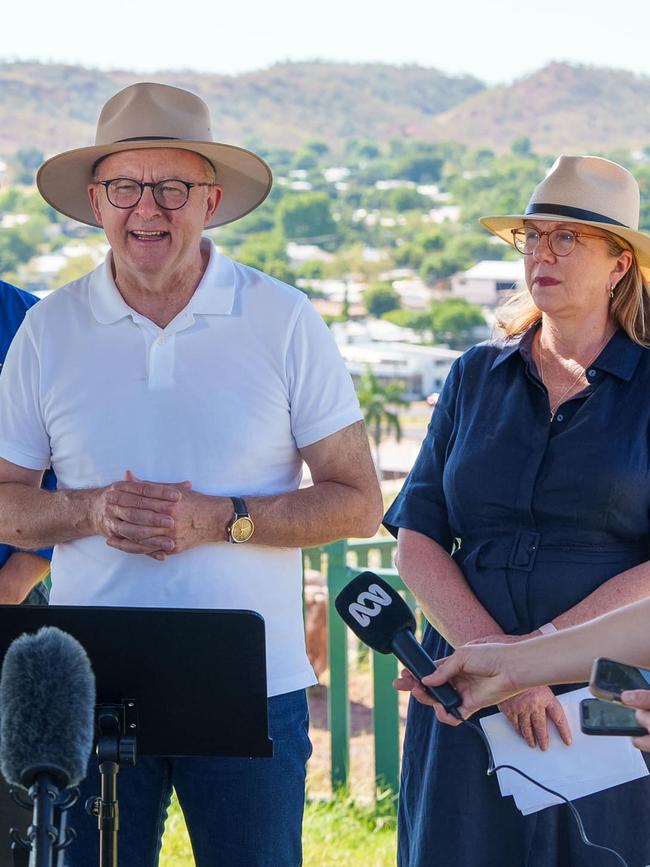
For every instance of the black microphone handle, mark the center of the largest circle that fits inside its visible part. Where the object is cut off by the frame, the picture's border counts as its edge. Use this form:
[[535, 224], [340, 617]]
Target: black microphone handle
[[43, 832], [411, 654]]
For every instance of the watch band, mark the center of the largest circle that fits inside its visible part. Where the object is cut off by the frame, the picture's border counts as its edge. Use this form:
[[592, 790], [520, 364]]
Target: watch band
[[240, 507]]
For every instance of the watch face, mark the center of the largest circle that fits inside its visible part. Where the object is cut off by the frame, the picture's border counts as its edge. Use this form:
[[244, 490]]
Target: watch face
[[241, 530]]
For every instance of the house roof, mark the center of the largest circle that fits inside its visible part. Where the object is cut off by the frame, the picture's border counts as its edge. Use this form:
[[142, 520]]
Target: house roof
[[496, 269]]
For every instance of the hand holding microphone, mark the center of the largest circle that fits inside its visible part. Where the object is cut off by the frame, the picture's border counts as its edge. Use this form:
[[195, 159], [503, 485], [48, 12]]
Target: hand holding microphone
[[378, 615]]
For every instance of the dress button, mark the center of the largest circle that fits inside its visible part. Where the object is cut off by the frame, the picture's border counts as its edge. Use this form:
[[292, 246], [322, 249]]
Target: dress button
[[591, 373], [559, 417]]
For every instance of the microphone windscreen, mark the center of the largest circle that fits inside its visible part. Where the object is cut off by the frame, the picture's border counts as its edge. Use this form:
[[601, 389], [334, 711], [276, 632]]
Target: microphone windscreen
[[47, 709], [374, 611]]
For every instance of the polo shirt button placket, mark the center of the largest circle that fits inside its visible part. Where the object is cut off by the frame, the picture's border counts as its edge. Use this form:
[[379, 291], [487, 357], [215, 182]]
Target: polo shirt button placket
[[161, 362]]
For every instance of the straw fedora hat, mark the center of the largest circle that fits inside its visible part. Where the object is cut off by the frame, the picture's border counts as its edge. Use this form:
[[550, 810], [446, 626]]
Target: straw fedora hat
[[589, 190], [147, 115]]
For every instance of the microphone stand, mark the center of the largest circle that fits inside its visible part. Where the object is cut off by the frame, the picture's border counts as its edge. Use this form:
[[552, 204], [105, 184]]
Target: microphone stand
[[48, 835], [43, 832], [114, 748]]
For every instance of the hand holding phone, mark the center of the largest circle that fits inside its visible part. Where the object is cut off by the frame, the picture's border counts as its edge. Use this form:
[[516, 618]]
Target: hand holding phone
[[609, 678], [606, 718]]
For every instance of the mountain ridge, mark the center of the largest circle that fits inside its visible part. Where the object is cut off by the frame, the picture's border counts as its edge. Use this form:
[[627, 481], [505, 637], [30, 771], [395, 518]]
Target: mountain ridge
[[561, 107]]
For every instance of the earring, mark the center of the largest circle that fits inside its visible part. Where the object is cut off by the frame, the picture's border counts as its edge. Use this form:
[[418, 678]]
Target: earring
[[611, 290]]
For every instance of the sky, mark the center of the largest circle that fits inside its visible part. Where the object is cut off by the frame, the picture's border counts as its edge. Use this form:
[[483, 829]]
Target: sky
[[494, 40]]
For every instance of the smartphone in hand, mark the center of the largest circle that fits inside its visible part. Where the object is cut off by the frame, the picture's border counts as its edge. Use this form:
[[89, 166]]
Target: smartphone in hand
[[607, 718], [609, 678]]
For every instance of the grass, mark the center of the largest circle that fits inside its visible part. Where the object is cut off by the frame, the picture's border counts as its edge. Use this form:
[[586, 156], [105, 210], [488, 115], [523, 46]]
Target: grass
[[336, 833], [176, 850], [341, 833]]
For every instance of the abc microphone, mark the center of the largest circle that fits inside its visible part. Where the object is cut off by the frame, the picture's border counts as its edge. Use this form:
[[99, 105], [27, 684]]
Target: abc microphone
[[47, 720], [378, 615]]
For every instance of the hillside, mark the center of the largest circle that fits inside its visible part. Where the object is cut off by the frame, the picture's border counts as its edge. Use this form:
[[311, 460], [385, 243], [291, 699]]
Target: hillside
[[561, 107], [53, 107]]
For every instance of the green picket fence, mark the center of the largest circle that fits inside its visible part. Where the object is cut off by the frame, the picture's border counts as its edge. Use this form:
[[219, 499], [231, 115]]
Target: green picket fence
[[340, 562]]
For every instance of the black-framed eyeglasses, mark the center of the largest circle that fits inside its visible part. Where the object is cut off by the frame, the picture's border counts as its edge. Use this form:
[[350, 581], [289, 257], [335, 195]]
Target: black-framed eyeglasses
[[169, 194], [561, 241]]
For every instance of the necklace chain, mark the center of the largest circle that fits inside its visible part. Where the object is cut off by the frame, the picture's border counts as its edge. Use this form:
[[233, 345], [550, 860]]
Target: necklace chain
[[574, 381]]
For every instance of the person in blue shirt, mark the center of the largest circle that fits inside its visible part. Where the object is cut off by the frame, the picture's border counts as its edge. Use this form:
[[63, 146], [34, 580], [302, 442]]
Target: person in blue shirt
[[528, 511], [21, 572]]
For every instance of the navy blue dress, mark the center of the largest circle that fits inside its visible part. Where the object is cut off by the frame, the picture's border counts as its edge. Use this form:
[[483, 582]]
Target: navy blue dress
[[539, 514]]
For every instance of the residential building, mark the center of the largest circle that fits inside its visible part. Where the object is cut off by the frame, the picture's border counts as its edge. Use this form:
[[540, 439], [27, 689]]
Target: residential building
[[489, 281]]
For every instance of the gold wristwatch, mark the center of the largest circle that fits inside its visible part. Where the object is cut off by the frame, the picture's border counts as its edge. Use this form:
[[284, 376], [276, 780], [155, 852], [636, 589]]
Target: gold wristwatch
[[241, 526]]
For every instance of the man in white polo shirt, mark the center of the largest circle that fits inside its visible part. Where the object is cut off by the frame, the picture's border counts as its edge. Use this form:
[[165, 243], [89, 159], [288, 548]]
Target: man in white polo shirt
[[176, 394]]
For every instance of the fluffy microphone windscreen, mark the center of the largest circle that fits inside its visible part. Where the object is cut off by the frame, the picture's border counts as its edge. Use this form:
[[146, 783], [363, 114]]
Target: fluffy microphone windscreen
[[374, 611], [47, 709]]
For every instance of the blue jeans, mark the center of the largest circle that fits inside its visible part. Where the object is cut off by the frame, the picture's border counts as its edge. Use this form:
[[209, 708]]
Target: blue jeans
[[239, 812]]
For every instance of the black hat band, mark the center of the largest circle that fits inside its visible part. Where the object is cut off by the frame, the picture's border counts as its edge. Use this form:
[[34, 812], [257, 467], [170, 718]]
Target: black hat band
[[578, 214]]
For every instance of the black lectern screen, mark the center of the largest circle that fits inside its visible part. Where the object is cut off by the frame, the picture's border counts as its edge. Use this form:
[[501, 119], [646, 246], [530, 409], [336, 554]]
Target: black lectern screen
[[197, 677]]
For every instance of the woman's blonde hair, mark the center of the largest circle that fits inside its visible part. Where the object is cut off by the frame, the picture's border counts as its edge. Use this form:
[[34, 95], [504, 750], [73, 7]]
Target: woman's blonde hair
[[630, 306]]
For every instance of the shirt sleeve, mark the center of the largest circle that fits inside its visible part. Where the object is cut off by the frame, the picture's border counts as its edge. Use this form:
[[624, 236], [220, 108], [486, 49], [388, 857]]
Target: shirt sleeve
[[7, 550], [45, 553], [421, 504], [322, 396], [23, 437]]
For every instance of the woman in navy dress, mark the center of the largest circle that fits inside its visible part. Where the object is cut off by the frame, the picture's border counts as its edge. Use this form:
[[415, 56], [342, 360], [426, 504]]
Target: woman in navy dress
[[528, 510]]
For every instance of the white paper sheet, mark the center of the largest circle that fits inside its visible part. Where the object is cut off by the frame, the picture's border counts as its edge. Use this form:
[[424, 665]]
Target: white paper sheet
[[589, 765]]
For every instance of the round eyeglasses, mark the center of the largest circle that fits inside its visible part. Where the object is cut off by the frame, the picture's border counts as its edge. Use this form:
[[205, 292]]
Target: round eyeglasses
[[561, 241], [170, 194]]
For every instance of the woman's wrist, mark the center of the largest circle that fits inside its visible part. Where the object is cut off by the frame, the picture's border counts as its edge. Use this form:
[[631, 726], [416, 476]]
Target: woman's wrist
[[526, 664]]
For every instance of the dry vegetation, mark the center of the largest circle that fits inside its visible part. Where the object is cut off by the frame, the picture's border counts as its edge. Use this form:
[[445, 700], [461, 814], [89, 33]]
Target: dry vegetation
[[561, 107]]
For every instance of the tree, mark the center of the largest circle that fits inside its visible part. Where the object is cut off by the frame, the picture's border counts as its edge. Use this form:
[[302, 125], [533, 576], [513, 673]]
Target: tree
[[379, 402], [438, 266], [361, 150], [421, 168], [643, 177], [305, 159], [408, 255], [15, 250], [312, 269], [504, 188], [351, 263], [407, 199], [460, 251], [431, 240], [306, 217], [316, 146], [420, 321], [75, 267], [379, 298], [267, 253], [11, 199], [521, 146], [454, 321], [279, 158], [25, 163], [401, 318]]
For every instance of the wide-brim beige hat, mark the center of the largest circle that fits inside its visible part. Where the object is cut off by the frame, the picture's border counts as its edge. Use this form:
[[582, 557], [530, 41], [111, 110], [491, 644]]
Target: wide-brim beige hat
[[589, 190], [149, 115]]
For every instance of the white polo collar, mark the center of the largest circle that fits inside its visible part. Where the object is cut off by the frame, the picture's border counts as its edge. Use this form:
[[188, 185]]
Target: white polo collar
[[214, 295]]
